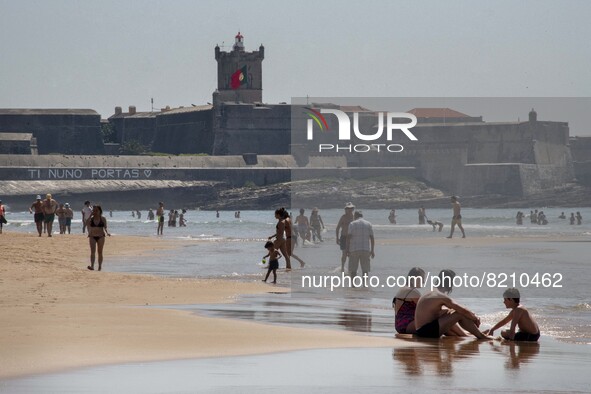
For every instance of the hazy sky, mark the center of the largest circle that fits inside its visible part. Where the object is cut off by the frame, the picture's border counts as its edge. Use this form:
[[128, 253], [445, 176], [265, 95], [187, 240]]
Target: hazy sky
[[102, 54]]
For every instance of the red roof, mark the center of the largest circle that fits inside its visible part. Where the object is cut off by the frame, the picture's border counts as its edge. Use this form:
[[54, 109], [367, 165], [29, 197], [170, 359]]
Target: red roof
[[437, 113]]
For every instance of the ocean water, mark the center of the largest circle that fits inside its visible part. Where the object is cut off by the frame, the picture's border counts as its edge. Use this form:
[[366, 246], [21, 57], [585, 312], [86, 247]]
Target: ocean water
[[549, 264]]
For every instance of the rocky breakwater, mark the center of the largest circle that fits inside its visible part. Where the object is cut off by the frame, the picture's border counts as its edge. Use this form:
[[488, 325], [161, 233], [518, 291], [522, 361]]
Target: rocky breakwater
[[382, 193]]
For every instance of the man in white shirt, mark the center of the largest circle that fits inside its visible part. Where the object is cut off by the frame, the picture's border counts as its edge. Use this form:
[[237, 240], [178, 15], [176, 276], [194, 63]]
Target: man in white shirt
[[86, 212], [360, 244]]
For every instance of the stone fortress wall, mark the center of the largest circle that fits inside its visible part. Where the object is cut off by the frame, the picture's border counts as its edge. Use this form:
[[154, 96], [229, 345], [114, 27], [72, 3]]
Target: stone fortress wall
[[513, 158], [245, 140]]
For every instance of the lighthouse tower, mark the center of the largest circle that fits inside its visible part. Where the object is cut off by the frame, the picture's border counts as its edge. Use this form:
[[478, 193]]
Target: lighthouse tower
[[240, 73]]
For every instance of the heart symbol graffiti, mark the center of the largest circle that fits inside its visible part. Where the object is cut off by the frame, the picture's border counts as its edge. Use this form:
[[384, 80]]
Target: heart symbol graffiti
[[147, 173]]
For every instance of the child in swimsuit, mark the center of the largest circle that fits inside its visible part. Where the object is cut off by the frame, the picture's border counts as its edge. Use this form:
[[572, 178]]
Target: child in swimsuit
[[274, 257], [520, 317]]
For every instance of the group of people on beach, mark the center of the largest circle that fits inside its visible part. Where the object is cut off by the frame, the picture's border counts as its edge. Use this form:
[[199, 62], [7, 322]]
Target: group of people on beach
[[437, 225], [573, 218], [283, 244], [435, 313], [45, 211], [540, 218]]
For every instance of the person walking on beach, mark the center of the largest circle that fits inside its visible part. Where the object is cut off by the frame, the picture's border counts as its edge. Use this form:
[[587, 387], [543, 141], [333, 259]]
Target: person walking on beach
[[519, 317], [317, 225], [97, 230], [291, 238], [360, 244], [274, 257], [182, 221], [279, 243], [392, 216], [519, 218], [49, 208], [61, 218], [160, 217], [3, 220], [579, 218], [38, 216], [69, 216], [433, 321], [572, 218], [341, 232], [457, 217], [86, 211], [303, 226], [422, 215]]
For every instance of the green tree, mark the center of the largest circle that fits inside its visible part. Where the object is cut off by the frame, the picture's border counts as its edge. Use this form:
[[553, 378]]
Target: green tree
[[108, 133]]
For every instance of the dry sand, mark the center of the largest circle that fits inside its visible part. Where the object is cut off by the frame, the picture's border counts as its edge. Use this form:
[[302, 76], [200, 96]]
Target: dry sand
[[56, 315]]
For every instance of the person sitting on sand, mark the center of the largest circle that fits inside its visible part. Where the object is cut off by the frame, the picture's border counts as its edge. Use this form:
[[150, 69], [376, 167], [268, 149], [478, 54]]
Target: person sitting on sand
[[433, 321], [97, 230], [405, 302], [435, 223], [520, 317], [274, 257]]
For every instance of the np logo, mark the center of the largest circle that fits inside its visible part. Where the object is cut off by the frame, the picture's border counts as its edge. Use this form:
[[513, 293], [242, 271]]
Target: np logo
[[390, 119]]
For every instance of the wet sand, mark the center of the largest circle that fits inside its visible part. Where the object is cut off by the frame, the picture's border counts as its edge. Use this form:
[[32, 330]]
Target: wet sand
[[108, 332], [57, 315], [446, 365]]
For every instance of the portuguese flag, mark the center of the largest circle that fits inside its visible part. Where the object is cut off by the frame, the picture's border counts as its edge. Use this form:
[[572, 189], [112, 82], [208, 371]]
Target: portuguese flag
[[238, 78]]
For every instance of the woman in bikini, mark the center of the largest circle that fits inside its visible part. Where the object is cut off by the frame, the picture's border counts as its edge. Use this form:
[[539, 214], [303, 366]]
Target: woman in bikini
[[406, 300], [97, 230], [290, 242], [280, 241]]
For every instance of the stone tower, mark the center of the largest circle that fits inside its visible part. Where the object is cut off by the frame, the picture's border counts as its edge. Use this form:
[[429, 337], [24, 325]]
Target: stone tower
[[240, 73]]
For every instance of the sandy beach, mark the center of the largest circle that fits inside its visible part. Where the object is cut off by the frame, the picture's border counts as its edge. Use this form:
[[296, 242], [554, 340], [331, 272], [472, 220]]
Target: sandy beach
[[57, 315]]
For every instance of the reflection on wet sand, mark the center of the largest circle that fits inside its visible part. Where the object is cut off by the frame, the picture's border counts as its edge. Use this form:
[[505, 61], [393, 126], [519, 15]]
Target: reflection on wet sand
[[348, 314], [518, 352], [438, 356], [355, 320]]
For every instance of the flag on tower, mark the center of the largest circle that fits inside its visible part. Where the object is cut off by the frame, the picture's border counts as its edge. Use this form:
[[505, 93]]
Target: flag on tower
[[238, 78]]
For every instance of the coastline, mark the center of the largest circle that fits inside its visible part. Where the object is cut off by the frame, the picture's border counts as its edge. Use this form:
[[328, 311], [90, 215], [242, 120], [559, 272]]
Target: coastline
[[57, 315]]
